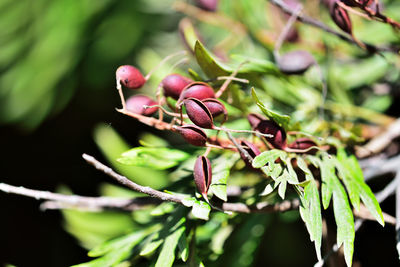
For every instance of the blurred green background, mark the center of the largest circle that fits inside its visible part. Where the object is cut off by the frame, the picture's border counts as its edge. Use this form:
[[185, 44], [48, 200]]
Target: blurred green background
[[57, 85]]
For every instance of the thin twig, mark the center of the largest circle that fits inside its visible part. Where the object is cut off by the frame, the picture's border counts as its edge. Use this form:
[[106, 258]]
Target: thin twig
[[315, 23], [380, 142], [235, 207], [80, 202]]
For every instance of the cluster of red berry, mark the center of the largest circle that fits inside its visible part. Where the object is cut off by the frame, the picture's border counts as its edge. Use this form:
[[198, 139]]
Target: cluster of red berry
[[201, 107]]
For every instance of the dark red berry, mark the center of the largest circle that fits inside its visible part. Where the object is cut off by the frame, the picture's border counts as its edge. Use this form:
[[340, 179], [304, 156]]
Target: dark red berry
[[136, 103], [202, 175], [304, 143], [295, 62], [270, 127], [174, 84], [192, 134], [249, 148], [209, 5], [215, 107], [130, 77], [198, 113], [198, 90], [340, 16], [254, 119]]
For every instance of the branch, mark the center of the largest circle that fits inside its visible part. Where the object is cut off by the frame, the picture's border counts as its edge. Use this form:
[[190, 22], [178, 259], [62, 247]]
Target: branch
[[380, 142], [315, 23], [235, 207], [57, 201]]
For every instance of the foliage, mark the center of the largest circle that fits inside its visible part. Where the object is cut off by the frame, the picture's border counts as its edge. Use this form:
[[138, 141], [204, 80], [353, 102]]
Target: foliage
[[238, 41]]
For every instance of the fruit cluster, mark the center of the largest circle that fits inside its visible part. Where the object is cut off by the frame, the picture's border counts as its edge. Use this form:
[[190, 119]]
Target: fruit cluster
[[196, 102]]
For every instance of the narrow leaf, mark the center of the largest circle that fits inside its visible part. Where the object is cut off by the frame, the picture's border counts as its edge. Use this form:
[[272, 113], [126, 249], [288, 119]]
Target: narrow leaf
[[282, 120], [167, 254]]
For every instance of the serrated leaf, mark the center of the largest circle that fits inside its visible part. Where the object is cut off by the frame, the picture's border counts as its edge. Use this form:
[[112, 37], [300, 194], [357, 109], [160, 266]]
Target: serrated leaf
[[167, 254], [201, 210], [344, 221], [282, 120], [220, 172], [153, 157], [269, 156], [352, 176], [310, 212], [327, 169]]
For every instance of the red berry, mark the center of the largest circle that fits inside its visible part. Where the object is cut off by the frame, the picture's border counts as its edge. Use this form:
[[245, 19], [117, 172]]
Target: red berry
[[135, 104], [174, 84], [279, 135], [198, 90], [251, 149], [340, 16], [198, 113], [215, 107], [202, 175], [192, 134], [130, 77], [304, 143], [254, 119], [209, 5]]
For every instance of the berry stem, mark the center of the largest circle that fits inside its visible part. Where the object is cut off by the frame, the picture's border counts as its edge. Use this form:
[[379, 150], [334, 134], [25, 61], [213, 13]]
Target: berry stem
[[121, 94], [228, 80], [161, 108], [233, 79]]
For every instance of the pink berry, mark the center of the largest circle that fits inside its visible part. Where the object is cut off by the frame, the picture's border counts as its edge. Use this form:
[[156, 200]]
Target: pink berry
[[279, 135], [136, 103], [198, 90], [304, 143], [209, 5], [198, 113], [249, 148], [130, 77], [174, 84], [192, 134], [215, 107], [202, 175]]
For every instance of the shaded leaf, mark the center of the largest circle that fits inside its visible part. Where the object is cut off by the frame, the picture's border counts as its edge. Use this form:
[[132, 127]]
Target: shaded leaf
[[167, 254], [153, 157]]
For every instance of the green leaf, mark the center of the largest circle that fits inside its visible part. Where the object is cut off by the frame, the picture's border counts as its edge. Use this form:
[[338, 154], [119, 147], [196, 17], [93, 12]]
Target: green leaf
[[220, 172], [291, 174], [344, 221], [352, 176], [116, 244], [282, 120], [201, 210], [153, 157], [310, 212], [269, 156], [327, 169], [151, 246], [211, 67], [167, 254], [183, 246]]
